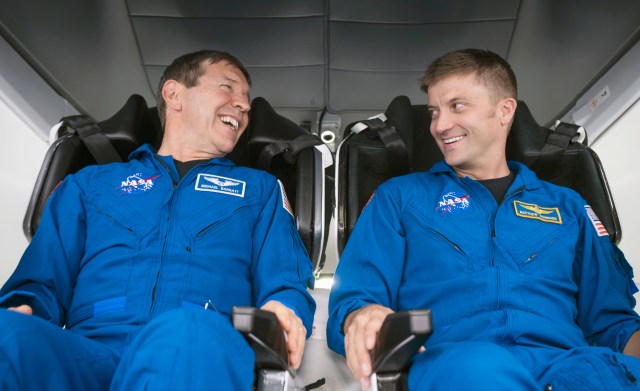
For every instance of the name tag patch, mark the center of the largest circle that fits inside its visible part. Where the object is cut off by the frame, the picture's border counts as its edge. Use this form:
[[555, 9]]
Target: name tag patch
[[220, 184], [536, 212]]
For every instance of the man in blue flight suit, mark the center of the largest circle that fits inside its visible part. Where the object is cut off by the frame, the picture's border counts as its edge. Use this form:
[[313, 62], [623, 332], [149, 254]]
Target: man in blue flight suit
[[141, 262], [526, 290]]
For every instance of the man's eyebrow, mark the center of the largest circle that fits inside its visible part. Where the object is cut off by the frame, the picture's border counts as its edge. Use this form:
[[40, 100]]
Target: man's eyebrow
[[235, 82], [229, 79]]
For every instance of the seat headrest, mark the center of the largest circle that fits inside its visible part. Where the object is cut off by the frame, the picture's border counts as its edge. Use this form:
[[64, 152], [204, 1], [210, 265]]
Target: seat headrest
[[134, 122], [266, 126], [526, 137], [399, 114]]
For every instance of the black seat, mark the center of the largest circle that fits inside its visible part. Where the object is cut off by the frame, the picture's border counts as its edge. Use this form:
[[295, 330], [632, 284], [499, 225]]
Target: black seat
[[299, 159], [558, 157], [271, 142], [135, 124], [399, 142], [375, 150]]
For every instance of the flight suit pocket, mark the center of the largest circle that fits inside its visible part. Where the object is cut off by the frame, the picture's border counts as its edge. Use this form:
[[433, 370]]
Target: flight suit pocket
[[121, 219], [209, 223], [544, 244]]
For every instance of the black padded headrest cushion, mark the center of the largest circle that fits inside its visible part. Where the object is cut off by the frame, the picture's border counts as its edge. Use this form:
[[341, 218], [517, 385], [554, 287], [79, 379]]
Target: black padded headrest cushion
[[526, 138], [265, 127], [399, 115], [132, 126]]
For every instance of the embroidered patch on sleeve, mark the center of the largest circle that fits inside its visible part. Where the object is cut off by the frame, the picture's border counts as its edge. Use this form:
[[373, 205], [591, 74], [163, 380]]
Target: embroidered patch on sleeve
[[220, 184], [285, 201], [597, 224], [533, 211]]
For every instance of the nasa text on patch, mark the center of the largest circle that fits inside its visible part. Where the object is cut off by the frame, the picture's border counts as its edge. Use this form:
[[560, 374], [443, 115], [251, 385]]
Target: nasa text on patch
[[136, 184], [453, 203], [220, 184], [536, 212]]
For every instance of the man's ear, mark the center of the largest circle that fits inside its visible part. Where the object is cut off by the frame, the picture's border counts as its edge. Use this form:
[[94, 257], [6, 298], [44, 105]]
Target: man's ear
[[172, 94], [507, 110]]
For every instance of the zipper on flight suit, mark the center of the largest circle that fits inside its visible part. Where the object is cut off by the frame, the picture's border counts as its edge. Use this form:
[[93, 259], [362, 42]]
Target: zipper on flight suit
[[492, 233], [493, 236], [446, 239], [208, 227], [116, 221], [437, 233], [174, 183]]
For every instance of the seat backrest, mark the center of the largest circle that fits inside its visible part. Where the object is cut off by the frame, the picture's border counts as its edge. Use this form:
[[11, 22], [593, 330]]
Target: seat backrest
[[298, 159], [364, 160], [268, 143], [558, 157], [133, 125]]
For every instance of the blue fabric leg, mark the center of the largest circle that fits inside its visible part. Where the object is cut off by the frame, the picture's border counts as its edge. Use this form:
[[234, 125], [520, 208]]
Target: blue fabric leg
[[36, 355], [187, 350], [592, 369], [474, 366]]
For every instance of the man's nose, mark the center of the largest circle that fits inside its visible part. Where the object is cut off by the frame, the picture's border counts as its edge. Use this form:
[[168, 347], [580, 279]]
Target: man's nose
[[441, 123], [241, 103]]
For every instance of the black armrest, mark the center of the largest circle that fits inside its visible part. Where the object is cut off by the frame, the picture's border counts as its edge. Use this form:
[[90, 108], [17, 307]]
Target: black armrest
[[265, 335], [399, 339]]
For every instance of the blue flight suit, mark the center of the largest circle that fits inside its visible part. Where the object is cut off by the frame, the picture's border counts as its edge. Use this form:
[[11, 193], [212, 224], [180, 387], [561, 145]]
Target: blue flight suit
[[142, 266], [520, 292]]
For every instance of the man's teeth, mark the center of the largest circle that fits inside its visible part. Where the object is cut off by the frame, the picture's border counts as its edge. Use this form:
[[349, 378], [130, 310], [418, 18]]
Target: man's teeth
[[453, 140], [230, 121]]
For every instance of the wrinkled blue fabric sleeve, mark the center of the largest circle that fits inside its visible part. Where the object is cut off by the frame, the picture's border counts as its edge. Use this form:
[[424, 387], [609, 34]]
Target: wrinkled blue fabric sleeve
[[370, 268], [47, 271], [605, 300], [280, 265]]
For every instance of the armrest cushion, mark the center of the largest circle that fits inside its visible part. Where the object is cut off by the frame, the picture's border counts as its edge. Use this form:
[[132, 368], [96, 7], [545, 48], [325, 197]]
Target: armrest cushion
[[265, 335], [400, 338]]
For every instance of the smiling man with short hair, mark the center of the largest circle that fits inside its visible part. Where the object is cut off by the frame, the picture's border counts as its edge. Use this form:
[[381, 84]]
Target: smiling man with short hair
[[525, 292], [142, 261]]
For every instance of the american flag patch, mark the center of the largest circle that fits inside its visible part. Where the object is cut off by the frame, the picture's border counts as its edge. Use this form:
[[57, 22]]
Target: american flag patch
[[597, 224], [285, 200]]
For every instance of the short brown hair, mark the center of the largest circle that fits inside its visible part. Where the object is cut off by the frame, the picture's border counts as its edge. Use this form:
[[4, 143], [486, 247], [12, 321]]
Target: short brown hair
[[491, 70], [187, 69]]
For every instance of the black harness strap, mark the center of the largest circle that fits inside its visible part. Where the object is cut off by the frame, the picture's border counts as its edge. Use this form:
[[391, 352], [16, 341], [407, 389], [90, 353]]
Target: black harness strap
[[288, 149], [392, 141], [556, 143], [93, 138], [560, 138]]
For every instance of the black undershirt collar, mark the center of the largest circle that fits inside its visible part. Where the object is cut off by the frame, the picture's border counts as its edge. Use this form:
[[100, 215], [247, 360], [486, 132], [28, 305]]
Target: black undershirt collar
[[184, 167], [498, 187]]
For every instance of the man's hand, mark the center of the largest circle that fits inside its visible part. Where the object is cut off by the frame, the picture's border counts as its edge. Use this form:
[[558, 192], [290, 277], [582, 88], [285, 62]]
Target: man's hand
[[23, 309], [361, 330], [292, 325], [632, 348]]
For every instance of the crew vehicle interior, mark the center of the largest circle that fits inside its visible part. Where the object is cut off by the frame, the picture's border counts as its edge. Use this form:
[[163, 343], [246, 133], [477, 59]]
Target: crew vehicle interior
[[336, 109]]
